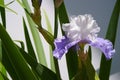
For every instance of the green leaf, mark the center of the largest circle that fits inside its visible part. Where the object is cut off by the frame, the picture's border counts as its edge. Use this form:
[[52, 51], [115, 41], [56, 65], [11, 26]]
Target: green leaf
[[71, 57], [20, 4], [28, 41], [3, 75], [54, 61], [25, 5], [9, 66], [3, 17], [4, 6], [90, 53], [0, 50], [105, 65], [49, 27], [2, 11], [15, 57], [10, 2], [55, 21], [43, 72], [35, 35]]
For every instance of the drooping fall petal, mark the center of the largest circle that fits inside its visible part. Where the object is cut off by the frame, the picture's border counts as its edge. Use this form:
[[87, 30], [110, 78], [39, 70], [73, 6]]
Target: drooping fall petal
[[105, 46], [62, 45]]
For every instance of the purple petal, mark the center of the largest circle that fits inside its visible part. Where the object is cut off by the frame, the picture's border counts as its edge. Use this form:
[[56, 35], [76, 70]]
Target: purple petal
[[105, 46], [62, 46]]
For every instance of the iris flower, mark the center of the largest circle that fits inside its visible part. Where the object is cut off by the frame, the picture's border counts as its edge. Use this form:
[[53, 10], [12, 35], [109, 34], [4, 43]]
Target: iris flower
[[82, 29]]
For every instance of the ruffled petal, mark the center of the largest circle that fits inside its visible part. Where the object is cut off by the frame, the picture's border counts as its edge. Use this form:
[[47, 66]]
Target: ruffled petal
[[81, 27], [105, 46], [62, 45]]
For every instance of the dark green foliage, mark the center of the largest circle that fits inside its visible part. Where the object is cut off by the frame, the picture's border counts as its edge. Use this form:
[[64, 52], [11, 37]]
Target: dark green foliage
[[105, 66]]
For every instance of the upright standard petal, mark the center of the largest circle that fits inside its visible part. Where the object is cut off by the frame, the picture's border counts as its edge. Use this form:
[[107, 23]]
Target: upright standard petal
[[62, 45], [105, 46], [81, 28]]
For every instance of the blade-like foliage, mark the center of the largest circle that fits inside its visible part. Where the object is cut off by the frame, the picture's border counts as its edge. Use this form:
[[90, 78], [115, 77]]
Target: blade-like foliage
[[105, 65], [49, 27], [28, 41], [43, 72], [5, 6], [3, 17], [0, 50], [2, 11], [9, 66], [35, 35], [15, 57], [3, 75]]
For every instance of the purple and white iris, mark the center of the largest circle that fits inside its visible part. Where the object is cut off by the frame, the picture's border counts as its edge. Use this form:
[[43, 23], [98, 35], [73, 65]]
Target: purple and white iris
[[82, 29]]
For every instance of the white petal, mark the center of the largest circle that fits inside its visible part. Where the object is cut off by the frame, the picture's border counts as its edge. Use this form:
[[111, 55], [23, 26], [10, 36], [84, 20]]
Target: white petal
[[81, 27]]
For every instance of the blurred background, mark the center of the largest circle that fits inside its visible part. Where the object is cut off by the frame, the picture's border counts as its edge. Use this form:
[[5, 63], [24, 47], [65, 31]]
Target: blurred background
[[101, 10]]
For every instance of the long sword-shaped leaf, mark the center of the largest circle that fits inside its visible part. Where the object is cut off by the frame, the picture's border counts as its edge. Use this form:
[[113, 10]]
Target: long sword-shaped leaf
[[2, 69], [0, 50], [50, 48], [4, 6], [3, 72], [53, 60], [20, 3], [1, 77], [105, 65], [15, 56], [3, 17], [2, 11], [71, 57], [9, 65], [43, 72], [28, 41], [35, 35]]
